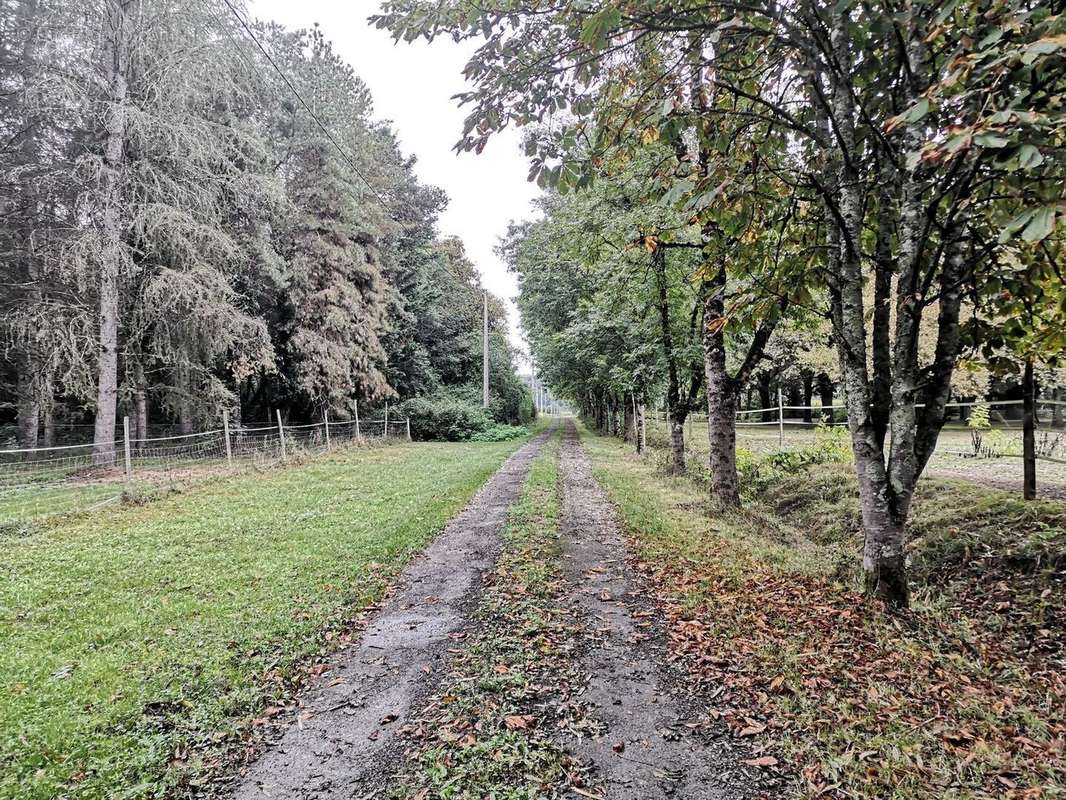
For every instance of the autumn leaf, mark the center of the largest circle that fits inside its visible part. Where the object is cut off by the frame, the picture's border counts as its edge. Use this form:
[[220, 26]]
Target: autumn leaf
[[518, 722], [761, 761]]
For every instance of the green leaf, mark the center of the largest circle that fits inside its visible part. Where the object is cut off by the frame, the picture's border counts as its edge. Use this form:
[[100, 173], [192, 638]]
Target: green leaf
[[1015, 225], [599, 25], [990, 140], [911, 115], [1041, 225], [1029, 156]]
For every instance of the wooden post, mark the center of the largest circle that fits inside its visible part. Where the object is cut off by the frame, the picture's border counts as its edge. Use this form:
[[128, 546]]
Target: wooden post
[[281, 433], [225, 430], [780, 419], [385, 432], [408, 429], [1029, 432], [126, 446], [356, 419], [325, 421]]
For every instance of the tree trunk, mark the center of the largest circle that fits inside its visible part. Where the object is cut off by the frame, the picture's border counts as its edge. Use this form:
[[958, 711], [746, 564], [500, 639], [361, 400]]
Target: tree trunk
[[825, 395], [186, 415], [676, 410], [48, 423], [117, 26], [881, 385], [25, 221], [140, 406], [638, 422], [883, 556], [29, 409], [721, 397], [794, 396], [764, 397], [1029, 432], [677, 464], [722, 438], [808, 395], [629, 421], [642, 425]]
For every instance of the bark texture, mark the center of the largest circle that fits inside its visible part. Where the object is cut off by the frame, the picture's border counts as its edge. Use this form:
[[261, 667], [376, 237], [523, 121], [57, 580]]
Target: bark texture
[[117, 46]]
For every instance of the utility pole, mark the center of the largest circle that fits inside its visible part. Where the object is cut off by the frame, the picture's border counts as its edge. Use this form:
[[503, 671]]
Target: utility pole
[[485, 352]]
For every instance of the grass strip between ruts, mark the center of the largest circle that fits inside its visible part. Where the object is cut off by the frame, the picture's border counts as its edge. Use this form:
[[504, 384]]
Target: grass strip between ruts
[[491, 732]]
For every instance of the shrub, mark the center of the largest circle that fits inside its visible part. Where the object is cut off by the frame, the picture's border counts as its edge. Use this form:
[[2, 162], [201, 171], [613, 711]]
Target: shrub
[[444, 419], [832, 444], [499, 433]]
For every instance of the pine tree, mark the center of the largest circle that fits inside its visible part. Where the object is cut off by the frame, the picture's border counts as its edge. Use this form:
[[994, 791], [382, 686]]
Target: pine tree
[[336, 292]]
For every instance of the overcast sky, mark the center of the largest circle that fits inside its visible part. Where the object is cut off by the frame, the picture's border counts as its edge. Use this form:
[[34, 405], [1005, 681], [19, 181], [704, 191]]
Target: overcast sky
[[412, 86]]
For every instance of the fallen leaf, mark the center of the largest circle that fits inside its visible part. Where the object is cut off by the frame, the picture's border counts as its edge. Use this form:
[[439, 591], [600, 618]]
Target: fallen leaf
[[517, 722], [761, 761]]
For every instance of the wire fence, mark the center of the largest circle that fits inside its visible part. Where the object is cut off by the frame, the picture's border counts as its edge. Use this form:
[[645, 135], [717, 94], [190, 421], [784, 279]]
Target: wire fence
[[991, 455], [37, 482]]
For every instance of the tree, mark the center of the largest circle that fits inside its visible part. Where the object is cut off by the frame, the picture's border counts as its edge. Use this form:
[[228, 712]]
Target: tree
[[845, 93]]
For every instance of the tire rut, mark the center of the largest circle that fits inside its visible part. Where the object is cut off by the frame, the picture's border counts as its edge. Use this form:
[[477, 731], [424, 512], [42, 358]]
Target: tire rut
[[652, 744], [345, 742]]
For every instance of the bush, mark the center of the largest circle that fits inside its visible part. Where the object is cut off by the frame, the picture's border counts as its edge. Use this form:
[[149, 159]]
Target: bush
[[832, 444], [499, 433], [444, 419]]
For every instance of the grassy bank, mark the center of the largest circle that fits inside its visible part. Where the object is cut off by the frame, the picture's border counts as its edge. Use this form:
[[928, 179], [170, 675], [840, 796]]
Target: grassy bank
[[961, 697], [138, 641], [489, 732]]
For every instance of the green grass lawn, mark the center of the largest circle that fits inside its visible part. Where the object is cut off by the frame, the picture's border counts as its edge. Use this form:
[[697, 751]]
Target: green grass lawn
[[138, 643]]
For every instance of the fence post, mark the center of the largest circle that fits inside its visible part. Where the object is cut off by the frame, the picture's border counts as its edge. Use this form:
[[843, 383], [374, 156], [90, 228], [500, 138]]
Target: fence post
[[281, 433], [385, 431], [1028, 432], [126, 446], [325, 420], [408, 429], [357, 420], [780, 419], [225, 430]]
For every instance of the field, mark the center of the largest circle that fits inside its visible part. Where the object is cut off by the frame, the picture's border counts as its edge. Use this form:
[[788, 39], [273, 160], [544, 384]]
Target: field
[[951, 460], [139, 643]]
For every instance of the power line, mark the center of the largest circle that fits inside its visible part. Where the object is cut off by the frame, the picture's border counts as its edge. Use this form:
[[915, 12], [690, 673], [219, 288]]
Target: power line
[[295, 91]]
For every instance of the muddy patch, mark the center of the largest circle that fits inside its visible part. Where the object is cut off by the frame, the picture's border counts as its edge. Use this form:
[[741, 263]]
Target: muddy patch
[[344, 742], [652, 740]]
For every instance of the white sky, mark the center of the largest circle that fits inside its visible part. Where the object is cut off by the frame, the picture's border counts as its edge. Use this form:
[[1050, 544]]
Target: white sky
[[412, 85]]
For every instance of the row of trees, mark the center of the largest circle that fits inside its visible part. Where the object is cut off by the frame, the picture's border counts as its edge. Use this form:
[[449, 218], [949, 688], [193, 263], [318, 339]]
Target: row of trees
[[889, 175], [187, 229]]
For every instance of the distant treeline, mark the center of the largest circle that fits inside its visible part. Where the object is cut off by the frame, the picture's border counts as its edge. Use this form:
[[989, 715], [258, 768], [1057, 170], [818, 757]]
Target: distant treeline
[[189, 226]]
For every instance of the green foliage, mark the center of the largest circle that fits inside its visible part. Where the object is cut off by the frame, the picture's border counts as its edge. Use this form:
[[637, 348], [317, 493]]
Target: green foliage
[[259, 266], [757, 471], [444, 418], [500, 433]]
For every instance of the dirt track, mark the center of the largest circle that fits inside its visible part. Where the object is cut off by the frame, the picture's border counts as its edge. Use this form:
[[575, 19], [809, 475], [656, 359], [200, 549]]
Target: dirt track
[[345, 743], [652, 742], [653, 745]]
